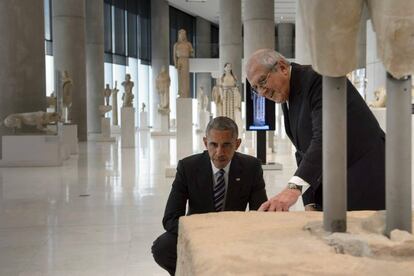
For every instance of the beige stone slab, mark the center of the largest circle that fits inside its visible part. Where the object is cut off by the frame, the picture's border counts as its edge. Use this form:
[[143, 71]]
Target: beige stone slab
[[256, 243]]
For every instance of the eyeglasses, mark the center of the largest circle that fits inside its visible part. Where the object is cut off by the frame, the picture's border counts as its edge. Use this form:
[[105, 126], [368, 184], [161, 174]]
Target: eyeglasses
[[261, 85]]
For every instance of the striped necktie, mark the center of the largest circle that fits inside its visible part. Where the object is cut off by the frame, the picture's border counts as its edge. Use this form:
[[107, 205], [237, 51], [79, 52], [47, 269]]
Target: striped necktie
[[219, 190]]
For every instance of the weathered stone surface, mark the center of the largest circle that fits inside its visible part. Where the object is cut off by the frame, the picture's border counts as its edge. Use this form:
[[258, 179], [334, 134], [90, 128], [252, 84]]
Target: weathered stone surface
[[256, 243], [393, 23], [331, 29]]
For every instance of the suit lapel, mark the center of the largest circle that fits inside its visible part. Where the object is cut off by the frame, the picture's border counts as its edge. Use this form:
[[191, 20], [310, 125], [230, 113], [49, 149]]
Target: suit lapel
[[234, 182], [205, 181]]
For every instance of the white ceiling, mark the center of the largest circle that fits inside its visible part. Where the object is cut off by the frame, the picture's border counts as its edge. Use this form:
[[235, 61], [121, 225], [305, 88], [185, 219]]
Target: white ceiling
[[285, 10]]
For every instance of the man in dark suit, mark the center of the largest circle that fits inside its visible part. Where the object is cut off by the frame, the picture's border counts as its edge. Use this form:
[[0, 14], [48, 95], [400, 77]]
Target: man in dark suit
[[299, 89], [219, 179]]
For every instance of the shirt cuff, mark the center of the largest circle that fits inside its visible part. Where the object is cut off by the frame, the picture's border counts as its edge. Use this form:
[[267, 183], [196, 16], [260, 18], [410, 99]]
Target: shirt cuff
[[300, 182]]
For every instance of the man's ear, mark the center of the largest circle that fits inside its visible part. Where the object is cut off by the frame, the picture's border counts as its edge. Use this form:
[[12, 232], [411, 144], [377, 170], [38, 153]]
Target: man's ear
[[238, 142], [283, 66], [205, 141]]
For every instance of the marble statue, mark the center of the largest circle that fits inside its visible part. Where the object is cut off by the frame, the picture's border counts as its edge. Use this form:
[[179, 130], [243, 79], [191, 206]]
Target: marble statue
[[380, 98], [107, 94], [40, 119], [229, 92], [51, 101], [67, 85], [218, 101], [143, 107], [182, 51], [104, 109], [202, 100], [127, 97], [162, 84], [115, 91]]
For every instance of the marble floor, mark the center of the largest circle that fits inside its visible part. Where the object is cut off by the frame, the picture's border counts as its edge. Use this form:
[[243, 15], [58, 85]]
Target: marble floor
[[99, 213]]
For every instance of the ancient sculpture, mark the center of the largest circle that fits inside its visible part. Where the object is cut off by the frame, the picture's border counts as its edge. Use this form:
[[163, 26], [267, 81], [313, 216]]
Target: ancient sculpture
[[40, 119], [67, 84], [202, 100], [182, 51], [143, 107], [215, 93], [229, 92], [380, 98], [107, 94], [127, 97], [104, 109], [115, 104], [51, 101], [162, 84]]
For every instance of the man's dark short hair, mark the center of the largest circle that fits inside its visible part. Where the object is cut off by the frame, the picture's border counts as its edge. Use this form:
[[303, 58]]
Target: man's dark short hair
[[223, 123]]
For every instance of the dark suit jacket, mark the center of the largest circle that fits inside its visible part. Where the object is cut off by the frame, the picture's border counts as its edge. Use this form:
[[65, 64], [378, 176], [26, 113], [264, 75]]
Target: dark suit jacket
[[366, 141], [194, 182]]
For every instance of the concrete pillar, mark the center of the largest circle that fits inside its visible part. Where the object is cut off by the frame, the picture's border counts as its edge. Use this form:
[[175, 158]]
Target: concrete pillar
[[94, 62], [22, 58], [203, 46], [398, 155], [285, 36], [69, 54], [230, 36], [259, 30], [259, 26], [334, 165], [160, 54], [302, 49]]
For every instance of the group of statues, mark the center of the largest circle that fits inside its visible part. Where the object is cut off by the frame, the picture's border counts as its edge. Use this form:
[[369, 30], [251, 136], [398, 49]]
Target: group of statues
[[127, 98]]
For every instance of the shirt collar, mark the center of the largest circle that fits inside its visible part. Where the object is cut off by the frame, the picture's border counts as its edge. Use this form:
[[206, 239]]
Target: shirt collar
[[215, 170]]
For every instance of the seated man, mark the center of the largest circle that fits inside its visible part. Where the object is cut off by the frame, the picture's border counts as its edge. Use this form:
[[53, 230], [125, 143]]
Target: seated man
[[219, 179]]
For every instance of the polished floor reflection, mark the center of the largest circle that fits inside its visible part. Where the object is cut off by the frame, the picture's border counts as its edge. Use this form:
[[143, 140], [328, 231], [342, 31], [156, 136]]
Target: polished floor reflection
[[99, 213]]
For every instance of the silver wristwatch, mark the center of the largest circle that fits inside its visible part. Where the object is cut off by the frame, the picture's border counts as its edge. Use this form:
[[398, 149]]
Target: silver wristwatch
[[294, 186]]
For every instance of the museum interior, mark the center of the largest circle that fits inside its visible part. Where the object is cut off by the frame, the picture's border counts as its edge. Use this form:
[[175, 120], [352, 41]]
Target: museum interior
[[102, 99]]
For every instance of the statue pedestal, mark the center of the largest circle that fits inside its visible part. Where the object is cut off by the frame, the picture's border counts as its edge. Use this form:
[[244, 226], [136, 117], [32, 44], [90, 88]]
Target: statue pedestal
[[127, 127], [70, 137], [184, 127], [31, 150], [143, 120], [105, 131], [165, 126], [184, 132]]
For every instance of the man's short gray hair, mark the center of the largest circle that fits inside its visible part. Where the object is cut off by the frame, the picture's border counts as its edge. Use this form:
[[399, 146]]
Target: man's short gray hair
[[265, 57], [223, 123]]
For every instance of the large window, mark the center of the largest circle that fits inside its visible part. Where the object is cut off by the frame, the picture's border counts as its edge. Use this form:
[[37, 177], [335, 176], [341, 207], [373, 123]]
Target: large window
[[127, 31]]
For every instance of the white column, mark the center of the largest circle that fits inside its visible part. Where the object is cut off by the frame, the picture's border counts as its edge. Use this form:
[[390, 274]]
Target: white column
[[230, 36], [160, 57], [203, 45], [302, 50], [259, 30], [69, 54], [94, 62]]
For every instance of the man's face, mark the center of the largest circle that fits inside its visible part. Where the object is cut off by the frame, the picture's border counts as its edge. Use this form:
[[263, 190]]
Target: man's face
[[274, 84], [221, 146]]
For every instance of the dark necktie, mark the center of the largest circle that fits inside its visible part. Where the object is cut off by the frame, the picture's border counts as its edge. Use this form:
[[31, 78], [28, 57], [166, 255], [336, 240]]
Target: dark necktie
[[219, 190]]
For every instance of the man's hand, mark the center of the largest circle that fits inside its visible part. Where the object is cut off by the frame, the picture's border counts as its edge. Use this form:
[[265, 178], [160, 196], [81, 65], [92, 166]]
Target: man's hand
[[281, 201]]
